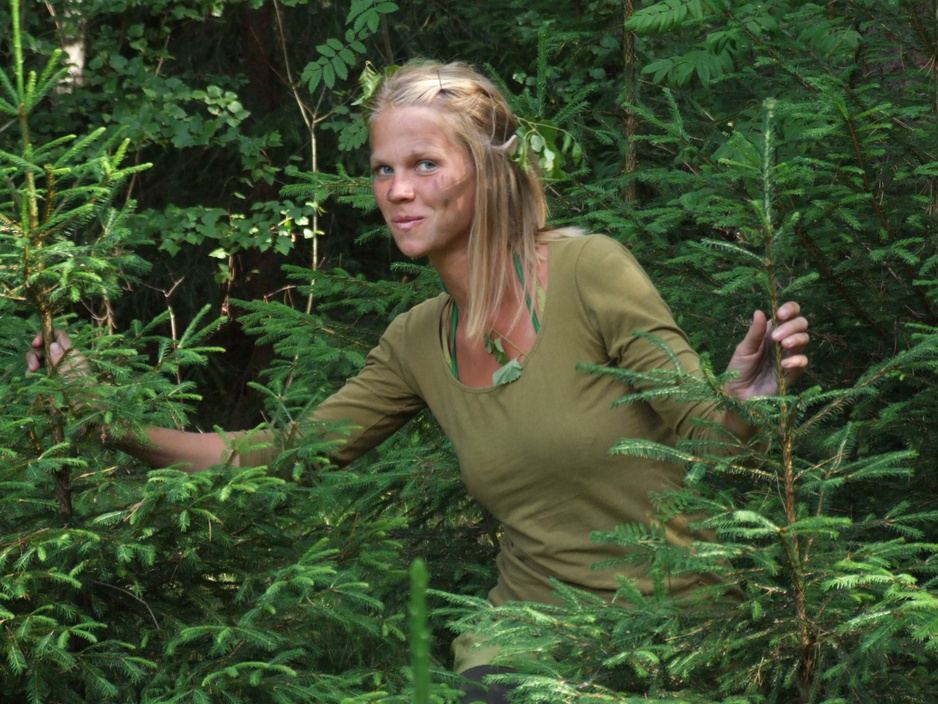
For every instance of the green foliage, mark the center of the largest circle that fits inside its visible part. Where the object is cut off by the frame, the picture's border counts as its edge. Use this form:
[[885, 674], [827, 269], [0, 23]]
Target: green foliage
[[120, 585], [783, 150], [337, 57], [419, 632]]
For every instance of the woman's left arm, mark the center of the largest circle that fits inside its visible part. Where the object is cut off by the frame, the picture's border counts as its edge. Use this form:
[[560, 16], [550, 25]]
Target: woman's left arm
[[754, 361]]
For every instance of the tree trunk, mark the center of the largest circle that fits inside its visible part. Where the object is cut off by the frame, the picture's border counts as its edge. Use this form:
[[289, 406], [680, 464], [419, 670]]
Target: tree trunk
[[630, 123], [933, 183], [71, 27]]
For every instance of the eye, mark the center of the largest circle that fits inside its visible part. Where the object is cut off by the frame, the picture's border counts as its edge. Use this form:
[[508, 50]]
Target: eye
[[380, 170], [426, 166]]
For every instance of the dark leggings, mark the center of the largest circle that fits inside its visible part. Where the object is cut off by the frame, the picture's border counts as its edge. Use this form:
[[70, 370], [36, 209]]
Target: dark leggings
[[477, 691]]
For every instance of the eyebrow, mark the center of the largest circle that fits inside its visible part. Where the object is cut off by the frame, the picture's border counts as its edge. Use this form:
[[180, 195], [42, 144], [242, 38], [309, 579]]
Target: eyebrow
[[423, 149]]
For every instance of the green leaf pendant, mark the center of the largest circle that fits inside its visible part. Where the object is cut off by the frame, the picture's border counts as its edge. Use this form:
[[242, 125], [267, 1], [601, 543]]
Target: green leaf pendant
[[510, 370], [508, 373], [493, 345]]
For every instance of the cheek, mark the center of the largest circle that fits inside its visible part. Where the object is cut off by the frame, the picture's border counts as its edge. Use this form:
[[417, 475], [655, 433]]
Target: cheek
[[467, 201], [440, 188], [380, 193], [452, 192]]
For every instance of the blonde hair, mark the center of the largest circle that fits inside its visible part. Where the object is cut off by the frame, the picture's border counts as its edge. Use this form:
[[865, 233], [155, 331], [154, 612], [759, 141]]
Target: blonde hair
[[510, 213]]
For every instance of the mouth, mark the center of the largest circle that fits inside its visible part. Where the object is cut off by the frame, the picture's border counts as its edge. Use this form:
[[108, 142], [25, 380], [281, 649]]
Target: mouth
[[406, 222]]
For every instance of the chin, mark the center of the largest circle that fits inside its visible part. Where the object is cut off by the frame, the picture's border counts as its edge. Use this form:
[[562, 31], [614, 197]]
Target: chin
[[410, 248], [412, 252]]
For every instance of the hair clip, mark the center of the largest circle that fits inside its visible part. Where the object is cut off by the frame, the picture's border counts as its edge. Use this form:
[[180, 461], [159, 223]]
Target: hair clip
[[508, 148]]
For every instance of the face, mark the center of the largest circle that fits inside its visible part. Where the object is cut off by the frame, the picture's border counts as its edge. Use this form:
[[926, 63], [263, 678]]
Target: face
[[424, 183]]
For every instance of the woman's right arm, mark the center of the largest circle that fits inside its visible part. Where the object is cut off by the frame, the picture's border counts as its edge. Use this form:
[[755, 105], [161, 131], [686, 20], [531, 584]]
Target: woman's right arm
[[370, 406], [190, 451]]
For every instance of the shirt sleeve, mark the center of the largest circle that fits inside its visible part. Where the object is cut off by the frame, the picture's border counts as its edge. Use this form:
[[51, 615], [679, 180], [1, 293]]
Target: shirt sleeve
[[618, 299], [369, 408]]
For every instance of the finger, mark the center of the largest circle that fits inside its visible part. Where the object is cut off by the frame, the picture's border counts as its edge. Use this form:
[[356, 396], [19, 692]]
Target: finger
[[794, 344], [755, 336], [35, 354], [792, 327], [63, 339], [794, 360], [789, 332], [33, 362], [788, 310], [794, 366]]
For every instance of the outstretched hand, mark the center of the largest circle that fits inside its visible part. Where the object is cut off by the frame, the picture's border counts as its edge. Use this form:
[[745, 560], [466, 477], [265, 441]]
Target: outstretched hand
[[59, 347], [754, 360]]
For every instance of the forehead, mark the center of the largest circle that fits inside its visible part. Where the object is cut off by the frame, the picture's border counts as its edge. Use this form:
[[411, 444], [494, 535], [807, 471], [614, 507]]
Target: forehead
[[410, 129]]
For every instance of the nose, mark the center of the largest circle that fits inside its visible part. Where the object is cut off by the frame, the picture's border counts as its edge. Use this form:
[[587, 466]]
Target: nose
[[400, 189]]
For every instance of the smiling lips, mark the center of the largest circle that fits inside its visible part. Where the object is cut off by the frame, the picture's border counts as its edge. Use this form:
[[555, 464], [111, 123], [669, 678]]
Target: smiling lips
[[406, 222]]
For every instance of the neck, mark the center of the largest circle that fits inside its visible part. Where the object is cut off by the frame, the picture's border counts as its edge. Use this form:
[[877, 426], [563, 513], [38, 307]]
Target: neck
[[456, 280], [454, 271]]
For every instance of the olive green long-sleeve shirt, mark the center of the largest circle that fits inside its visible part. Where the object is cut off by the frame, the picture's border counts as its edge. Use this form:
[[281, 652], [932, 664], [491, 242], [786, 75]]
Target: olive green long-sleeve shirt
[[535, 452]]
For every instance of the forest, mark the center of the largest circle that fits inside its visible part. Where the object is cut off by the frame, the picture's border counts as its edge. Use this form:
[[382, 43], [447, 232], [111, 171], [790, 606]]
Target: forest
[[185, 189]]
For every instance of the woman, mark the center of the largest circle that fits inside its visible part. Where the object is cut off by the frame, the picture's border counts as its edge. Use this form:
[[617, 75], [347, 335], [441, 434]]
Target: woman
[[524, 305]]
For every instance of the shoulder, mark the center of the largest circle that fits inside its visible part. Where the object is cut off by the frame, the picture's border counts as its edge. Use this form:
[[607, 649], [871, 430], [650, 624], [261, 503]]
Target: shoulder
[[423, 313], [592, 246], [597, 258], [414, 333], [606, 279]]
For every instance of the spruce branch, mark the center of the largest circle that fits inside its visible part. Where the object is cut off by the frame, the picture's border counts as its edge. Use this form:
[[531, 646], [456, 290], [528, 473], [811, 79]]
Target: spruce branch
[[60, 191], [419, 632], [789, 537]]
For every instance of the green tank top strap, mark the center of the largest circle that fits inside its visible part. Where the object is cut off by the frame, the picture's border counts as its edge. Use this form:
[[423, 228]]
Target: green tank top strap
[[452, 340], [527, 297]]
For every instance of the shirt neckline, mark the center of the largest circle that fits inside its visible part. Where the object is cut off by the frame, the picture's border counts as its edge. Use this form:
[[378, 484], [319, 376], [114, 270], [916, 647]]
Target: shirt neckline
[[543, 302]]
